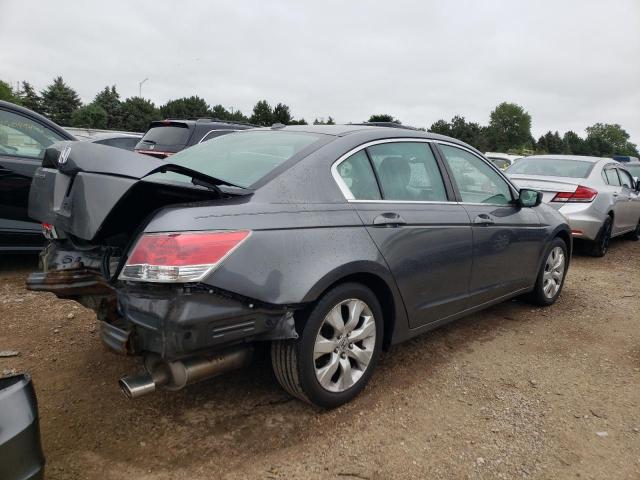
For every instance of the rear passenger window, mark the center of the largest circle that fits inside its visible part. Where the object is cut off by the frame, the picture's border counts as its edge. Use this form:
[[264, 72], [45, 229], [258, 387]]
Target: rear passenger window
[[611, 177], [357, 175], [408, 171]]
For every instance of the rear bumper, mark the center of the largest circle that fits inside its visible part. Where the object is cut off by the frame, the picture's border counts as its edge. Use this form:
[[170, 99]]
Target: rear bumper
[[179, 321], [584, 222], [21, 455]]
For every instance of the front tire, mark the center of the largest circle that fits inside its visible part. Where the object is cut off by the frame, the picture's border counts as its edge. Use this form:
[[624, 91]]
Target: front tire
[[552, 274], [337, 351]]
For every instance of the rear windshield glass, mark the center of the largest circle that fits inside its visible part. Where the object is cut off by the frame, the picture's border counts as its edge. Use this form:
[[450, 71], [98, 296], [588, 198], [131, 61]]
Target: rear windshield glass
[[168, 135], [551, 167], [243, 158]]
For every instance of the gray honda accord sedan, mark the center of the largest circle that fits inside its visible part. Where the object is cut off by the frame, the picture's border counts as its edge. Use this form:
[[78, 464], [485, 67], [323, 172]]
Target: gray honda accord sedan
[[330, 243]]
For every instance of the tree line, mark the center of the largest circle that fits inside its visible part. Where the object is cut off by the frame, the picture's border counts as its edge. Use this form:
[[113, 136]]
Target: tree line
[[509, 128]]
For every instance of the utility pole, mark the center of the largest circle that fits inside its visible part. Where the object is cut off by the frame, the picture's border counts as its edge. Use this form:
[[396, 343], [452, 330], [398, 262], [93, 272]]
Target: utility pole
[[140, 87]]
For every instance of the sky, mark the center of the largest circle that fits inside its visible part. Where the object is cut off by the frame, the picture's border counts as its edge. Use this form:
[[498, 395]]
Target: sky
[[569, 63]]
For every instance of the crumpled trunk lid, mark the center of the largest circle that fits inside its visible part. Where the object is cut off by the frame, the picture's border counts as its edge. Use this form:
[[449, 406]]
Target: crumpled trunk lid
[[96, 193]]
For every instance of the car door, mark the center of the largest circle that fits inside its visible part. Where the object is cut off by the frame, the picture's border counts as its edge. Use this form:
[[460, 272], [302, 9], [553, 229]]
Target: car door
[[406, 204], [617, 198], [22, 144], [507, 239], [628, 202]]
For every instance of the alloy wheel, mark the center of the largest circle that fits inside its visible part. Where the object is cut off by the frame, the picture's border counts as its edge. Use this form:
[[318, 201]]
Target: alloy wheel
[[553, 272], [344, 345]]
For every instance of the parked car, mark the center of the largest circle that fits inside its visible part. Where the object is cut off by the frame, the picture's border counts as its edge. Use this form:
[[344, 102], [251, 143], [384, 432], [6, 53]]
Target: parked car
[[126, 141], [502, 160], [21, 456], [329, 242], [631, 164], [597, 195], [166, 137], [24, 136]]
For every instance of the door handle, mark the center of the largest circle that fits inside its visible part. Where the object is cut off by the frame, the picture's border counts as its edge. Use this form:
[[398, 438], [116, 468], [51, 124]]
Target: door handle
[[389, 219], [483, 219]]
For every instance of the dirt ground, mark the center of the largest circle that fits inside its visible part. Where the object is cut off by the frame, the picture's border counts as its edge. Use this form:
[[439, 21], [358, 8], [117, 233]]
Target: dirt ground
[[513, 392]]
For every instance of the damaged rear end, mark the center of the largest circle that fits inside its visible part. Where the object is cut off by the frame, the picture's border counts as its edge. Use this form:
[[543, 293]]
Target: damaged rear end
[[146, 288]]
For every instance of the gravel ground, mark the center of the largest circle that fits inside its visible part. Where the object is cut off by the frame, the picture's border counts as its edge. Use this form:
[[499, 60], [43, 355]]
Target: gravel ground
[[512, 392]]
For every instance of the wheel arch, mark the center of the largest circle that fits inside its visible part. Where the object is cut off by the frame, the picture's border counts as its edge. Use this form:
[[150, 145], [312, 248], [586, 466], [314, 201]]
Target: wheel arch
[[379, 281]]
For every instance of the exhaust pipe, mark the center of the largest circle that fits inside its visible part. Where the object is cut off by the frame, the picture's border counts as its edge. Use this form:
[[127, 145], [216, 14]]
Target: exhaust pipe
[[178, 374]]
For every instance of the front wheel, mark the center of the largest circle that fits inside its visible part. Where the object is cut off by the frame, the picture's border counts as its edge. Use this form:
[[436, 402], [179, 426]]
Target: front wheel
[[337, 351], [552, 274]]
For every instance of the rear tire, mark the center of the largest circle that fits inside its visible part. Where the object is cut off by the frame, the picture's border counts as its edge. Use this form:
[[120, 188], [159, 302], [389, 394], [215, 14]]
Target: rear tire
[[338, 348], [600, 246], [552, 274], [635, 235]]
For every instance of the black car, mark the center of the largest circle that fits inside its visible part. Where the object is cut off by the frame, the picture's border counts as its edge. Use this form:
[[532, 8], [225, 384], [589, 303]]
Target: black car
[[166, 137], [24, 136], [329, 242], [126, 141], [21, 456]]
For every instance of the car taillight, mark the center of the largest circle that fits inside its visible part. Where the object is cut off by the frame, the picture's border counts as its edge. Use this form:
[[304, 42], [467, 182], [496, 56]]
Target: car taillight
[[581, 195], [180, 257]]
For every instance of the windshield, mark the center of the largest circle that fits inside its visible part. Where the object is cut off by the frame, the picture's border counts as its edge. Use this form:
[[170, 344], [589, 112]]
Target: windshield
[[551, 167], [243, 158], [634, 169]]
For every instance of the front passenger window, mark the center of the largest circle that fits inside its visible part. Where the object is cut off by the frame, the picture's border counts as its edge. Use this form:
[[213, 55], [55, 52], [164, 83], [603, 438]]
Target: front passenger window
[[625, 178], [22, 137], [477, 182]]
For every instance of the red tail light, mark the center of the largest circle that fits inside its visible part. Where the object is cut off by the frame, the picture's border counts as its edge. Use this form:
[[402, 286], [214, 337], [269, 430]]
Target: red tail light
[[581, 195], [180, 257]]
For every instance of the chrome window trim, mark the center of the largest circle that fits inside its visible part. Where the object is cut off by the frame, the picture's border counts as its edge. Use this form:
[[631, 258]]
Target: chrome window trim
[[351, 199], [217, 130]]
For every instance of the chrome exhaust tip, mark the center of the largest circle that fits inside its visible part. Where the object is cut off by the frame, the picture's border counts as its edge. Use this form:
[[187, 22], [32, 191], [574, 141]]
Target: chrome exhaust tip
[[134, 386]]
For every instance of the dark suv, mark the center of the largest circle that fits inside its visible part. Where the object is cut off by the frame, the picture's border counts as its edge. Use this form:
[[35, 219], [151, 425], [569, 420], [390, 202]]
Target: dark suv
[[166, 137]]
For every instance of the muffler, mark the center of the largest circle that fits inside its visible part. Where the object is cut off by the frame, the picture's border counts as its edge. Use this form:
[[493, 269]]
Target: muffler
[[178, 374]]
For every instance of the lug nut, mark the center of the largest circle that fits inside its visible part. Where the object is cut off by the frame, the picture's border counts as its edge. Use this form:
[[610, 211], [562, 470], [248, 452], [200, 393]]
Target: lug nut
[[351, 346], [343, 355], [335, 351]]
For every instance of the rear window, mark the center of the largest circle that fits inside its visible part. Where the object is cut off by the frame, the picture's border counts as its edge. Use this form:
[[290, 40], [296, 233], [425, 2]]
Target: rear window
[[551, 167], [244, 158], [173, 134]]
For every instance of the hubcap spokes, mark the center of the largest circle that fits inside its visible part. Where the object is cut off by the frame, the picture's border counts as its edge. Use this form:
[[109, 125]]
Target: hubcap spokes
[[553, 272], [344, 345]]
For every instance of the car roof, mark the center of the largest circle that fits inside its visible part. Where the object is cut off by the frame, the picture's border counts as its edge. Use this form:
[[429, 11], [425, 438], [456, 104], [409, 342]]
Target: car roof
[[372, 132], [202, 121], [583, 158]]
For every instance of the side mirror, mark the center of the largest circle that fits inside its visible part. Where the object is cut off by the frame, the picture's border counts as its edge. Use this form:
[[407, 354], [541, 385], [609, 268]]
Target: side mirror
[[529, 198]]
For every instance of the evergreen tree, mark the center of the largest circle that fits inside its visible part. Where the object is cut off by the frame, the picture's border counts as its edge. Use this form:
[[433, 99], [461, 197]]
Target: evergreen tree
[[29, 98], [109, 100], [281, 114], [59, 101], [383, 117], [262, 114]]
